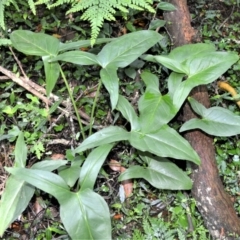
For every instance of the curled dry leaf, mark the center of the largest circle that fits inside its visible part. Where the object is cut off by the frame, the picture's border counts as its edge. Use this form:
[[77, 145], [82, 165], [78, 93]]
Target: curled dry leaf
[[117, 216], [57, 156], [115, 165], [38, 205], [127, 184], [92, 94], [128, 187]]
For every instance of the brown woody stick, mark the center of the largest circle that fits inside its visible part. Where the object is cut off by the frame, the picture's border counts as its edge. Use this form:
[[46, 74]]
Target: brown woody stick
[[212, 200], [39, 91]]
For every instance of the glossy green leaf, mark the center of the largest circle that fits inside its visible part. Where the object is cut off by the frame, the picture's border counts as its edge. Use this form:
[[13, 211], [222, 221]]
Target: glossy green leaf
[[14, 200], [182, 93], [174, 81], [20, 151], [204, 68], [157, 23], [6, 136], [85, 215], [37, 44], [151, 81], [49, 165], [130, 72], [111, 83], [52, 71], [77, 57], [149, 58], [125, 49], [203, 64], [92, 165], [160, 173], [44, 180], [215, 121], [166, 142], [187, 51], [128, 112], [107, 135], [155, 111], [82, 43], [172, 64], [198, 107], [17, 193], [70, 174], [177, 57], [165, 6]]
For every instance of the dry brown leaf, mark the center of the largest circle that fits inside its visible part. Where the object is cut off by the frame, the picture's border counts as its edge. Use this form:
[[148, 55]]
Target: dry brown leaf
[[127, 184], [115, 165], [57, 156], [128, 187]]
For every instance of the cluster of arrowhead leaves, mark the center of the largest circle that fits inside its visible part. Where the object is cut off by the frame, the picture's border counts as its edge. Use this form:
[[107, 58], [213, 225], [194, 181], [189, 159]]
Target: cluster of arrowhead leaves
[[84, 213]]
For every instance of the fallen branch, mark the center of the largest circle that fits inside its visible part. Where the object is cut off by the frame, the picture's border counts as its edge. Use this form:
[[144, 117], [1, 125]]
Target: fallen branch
[[40, 92], [213, 202]]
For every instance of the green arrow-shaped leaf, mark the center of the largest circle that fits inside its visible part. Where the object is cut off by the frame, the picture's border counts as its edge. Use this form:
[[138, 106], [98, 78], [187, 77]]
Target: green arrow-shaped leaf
[[155, 111], [14, 200], [82, 43], [85, 215], [107, 135], [44, 180], [166, 142], [160, 173], [128, 112], [124, 50], [203, 69], [37, 44], [111, 83], [77, 57], [215, 121], [52, 71], [92, 165]]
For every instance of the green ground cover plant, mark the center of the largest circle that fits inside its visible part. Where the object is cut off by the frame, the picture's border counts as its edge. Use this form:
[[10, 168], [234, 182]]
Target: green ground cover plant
[[150, 133], [22, 115]]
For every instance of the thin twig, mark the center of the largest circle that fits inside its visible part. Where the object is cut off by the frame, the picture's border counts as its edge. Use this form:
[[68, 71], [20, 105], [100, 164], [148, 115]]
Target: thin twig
[[38, 91], [220, 26], [4, 78], [21, 81], [41, 89], [18, 63]]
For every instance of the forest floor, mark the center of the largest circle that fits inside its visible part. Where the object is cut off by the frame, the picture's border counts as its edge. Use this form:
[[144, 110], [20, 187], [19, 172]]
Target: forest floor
[[148, 212]]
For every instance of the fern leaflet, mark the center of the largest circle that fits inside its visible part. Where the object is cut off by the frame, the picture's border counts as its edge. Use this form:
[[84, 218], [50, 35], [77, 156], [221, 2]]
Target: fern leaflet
[[96, 11]]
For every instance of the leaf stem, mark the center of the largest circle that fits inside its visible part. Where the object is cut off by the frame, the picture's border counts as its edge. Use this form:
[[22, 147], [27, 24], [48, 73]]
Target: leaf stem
[[74, 104], [94, 106]]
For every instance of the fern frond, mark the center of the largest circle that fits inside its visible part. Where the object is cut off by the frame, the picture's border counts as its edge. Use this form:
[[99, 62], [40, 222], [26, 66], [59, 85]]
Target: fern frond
[[138, 4], [146, 226], [5, 42], [3, 4], [137, 235], [96, 11], [96, 16], [31, 4], [60, 2], [181, 236], [2, 7], [48, 3]]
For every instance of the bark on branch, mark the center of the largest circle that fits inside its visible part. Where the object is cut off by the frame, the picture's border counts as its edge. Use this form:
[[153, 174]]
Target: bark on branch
[[213, 202]]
